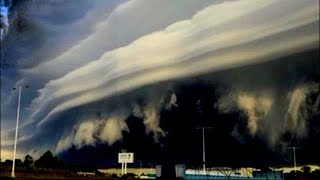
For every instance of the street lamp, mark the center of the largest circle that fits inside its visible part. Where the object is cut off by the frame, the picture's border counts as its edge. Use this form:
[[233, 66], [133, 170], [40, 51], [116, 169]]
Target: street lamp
[[204, 148], [294, 158], [200, 112], [17, 125]]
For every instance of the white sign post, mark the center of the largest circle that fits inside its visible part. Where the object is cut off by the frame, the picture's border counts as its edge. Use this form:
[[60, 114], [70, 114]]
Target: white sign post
[[125, 158]]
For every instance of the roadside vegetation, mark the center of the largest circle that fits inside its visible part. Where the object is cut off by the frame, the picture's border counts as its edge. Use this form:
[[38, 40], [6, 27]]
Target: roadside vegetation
[[49, 166]]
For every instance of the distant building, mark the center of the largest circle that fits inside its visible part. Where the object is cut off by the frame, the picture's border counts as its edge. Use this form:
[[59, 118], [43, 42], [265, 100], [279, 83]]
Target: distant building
[[220, 173], [229, 173]]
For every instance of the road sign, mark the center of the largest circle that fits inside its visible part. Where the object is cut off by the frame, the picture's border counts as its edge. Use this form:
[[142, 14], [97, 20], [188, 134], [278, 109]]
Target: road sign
[[125, 157], [180, 170]]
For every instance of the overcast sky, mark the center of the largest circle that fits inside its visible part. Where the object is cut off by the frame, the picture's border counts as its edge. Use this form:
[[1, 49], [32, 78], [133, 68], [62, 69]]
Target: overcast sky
[[91, 55]]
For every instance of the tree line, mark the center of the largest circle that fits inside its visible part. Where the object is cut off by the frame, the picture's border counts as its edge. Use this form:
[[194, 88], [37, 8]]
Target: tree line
[[47, 160]]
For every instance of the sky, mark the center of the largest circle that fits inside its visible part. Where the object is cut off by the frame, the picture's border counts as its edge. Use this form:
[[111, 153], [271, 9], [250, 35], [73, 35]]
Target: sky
[[103, 73]]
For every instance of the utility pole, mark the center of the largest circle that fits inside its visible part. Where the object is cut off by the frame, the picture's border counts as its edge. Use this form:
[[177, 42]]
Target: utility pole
[[294, 158], [17, 126]]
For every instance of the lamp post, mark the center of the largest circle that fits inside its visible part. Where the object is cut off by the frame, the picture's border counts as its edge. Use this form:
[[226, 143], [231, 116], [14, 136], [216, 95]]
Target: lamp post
[[17, 125], [294, 158], [203, 128]]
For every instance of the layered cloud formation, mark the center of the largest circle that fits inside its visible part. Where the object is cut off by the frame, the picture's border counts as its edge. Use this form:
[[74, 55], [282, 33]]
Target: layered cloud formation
[[127, 48], [185, 48]]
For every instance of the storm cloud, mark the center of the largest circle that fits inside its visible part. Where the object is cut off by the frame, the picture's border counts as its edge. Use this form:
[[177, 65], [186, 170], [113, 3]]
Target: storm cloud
[[124, 50]]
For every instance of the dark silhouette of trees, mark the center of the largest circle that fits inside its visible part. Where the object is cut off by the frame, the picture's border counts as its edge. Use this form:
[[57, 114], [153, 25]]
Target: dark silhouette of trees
[[306, 170], [18, 162], [7, 163], [28, 160], [47, 160]]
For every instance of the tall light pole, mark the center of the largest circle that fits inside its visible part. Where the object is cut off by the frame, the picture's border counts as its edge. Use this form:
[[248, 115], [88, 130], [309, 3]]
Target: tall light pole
[[200, 112], [17, 125], [204, 148], [294, 158]]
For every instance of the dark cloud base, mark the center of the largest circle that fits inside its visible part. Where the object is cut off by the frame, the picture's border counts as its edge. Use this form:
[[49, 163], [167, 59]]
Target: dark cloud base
[[183, 142]]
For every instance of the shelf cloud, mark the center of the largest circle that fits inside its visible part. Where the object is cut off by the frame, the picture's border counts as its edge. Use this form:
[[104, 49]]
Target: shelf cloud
[[134, 45]]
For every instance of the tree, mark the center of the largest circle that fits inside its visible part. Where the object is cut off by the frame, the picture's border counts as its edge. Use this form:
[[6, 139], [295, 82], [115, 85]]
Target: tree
[[7, 163], [28, 160], [306, 169], [47, 160], [18, 162]]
